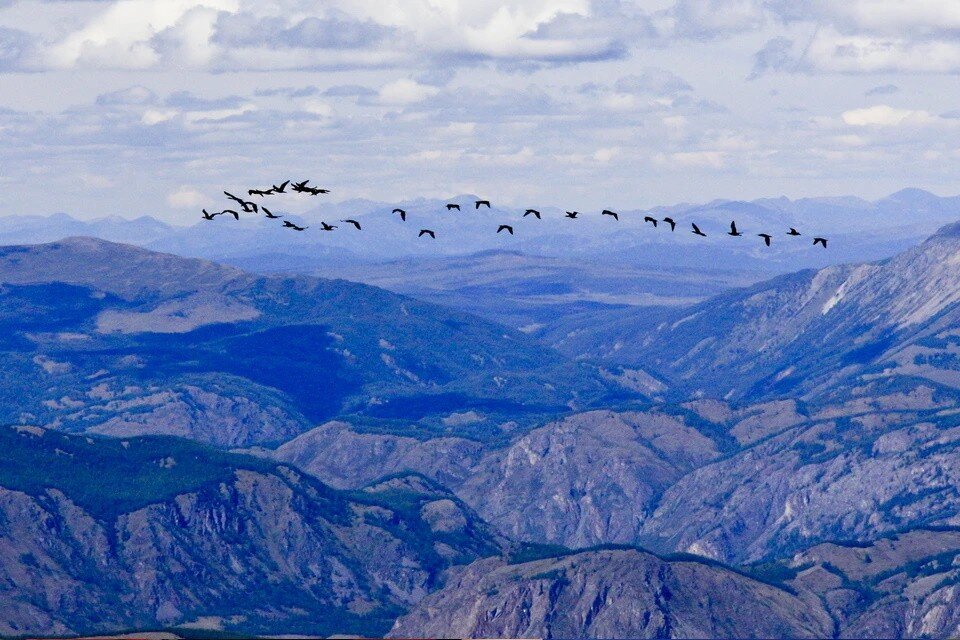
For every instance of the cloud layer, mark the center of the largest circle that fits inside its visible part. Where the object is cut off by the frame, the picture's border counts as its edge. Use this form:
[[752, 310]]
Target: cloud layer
[[593, 102]]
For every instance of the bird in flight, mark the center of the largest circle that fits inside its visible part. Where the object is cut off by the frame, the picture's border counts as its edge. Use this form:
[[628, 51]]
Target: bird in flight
[[793, 232], [353, 222], [301, 187], [652, 220], [822, 241], [766, 238], [607, 212], [290, 225], [236, 216], [483, 202], [532, 211], [696, 230], [248, 207], [282, 188], [259, 192], [427, 232], [269, 213], [505, 227], [450, 207], [733, 230], [670, 221], [403, 214], [572, 214], [327, 227], [210, 216]]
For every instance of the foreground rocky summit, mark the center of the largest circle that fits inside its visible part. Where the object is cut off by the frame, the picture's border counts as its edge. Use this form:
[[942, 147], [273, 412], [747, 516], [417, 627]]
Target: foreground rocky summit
[[611, 594]]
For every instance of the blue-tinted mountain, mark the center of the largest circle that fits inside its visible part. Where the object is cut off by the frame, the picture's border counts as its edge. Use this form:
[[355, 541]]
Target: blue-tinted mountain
[[119, 340], [101, 535]]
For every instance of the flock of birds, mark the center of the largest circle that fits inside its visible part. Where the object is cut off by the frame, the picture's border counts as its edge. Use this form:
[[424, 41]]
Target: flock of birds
[[248, 206]]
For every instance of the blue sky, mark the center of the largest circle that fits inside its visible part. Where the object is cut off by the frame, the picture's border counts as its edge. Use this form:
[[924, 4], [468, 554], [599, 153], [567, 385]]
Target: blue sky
[[132, 107]]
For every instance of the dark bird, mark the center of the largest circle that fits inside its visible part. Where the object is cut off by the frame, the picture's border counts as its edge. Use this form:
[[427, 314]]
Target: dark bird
[[300, 186], [259, 192], [289, 224], [453, 206], [403, 214], [505, 227], [696, 230], [268, 213], [822, 241], [353, 222], [327, 227], [733, 230], [572, 214], [315, 191], [479, 203], [649, 219], [427, 232], [533, 211], [282, 188], [210, 216], [248, 207], [766, 238], [670, 221], [236, 216], [793, 232], [607, 212]]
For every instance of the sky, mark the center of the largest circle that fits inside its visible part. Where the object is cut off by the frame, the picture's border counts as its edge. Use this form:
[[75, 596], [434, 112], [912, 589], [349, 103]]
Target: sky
[[153, 107]]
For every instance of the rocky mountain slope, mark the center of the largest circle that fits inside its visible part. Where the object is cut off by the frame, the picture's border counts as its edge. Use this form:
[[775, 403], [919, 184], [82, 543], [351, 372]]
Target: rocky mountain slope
[[119, 340], [611, 594], [101, 534], [810, 335]]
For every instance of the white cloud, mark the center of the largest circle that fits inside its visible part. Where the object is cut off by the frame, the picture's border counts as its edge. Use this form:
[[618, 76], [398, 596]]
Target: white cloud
[[883, 115], [403, 91], [185, 198]]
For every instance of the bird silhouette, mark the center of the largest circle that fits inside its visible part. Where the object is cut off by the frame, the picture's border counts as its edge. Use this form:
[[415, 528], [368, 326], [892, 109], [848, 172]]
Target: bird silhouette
[[532, 211], [259, 192], [290, 225], [696, 230], [236, 216], [572, 214], [793, 232], [505, 227], [248, 207], [649, 219], [482, 202], [327, 227], [210, 216], [766, 238], [450, 207], [670, 221], [607, 212], [822, 241], [733, 230], [282, 188], [403, 214], [353, 222], [268, 213], [300, 187], [427, 232]]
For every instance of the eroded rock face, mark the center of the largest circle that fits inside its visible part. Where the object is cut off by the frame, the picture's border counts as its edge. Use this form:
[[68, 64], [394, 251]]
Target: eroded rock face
[[608, 594], [589, 479], [257, 546]]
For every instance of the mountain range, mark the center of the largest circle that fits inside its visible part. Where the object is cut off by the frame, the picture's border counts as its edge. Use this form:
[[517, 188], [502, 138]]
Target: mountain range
[[201, 448]]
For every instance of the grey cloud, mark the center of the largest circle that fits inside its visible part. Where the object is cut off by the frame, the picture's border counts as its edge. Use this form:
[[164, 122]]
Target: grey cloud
[[137, 95], [287, 92], [338, 31], [349, 91], [14, 47], [882, 90], [776, 55], [652, 81], [187, 100]]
